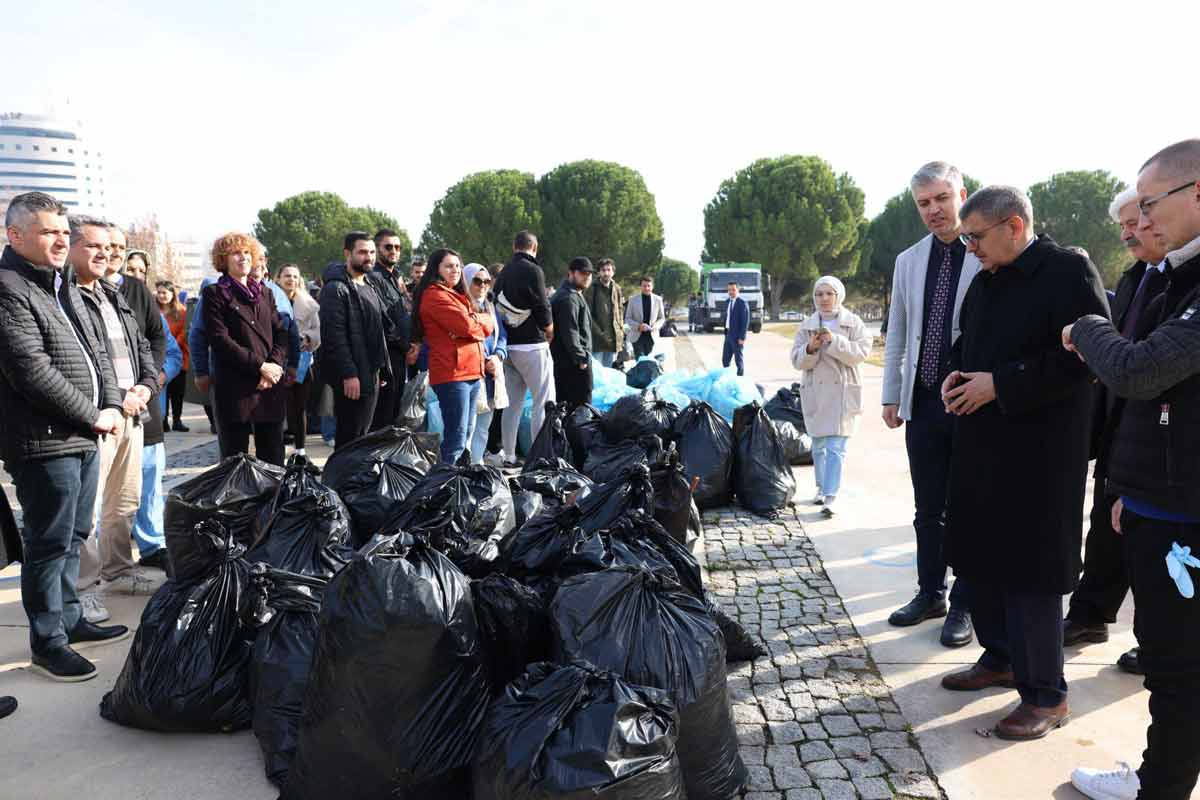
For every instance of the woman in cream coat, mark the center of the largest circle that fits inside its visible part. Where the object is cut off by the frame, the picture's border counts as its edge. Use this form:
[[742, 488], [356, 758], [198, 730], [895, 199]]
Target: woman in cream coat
[[828, 349]]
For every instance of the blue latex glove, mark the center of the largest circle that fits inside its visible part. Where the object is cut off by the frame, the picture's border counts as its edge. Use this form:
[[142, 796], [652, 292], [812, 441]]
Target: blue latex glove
[[1178, 560]]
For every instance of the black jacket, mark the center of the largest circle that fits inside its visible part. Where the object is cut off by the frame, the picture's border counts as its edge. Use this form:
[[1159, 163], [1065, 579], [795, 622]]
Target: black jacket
[[46, 407], [1156, 451], [1019, 466], [397, 317], [572, 327], [353, 343], [522, 286], [145, 371]]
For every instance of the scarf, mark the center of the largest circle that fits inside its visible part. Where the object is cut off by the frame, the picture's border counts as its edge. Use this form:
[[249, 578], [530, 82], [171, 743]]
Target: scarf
[[249, 292]]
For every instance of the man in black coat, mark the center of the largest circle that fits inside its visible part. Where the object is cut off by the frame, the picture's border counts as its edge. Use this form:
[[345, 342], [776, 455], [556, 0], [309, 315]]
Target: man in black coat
[[388, 282], [1154, 470], [1105, 581], [1014, 517], [572, 346]]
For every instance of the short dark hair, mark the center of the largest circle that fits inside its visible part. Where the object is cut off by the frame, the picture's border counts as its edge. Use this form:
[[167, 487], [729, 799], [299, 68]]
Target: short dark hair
[[524, 240], [732, 283], [1180, 160], [353, 238], [384, 233], [646, 279], [77, 222], [998, 203], [580, 264], [23, 206], [418, 261], [605, 262]]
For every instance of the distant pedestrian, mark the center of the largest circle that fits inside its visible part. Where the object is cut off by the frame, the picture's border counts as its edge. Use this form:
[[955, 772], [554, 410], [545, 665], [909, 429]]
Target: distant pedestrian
[[137, 264], [388, 282], [308, 322], [572, 345], [828, 348], [175, 313], [199, 353], [605, 303], [644, 317], [737, 325], [493, 395]]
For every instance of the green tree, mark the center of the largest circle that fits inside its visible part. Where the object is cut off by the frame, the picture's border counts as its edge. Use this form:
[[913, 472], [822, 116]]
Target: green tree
[[890, 233], [479, 215], [307, 229], [1072, 208], [675, 280], [793, 215], [598, 209]]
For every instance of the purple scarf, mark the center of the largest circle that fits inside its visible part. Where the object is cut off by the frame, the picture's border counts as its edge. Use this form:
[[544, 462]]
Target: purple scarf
[[250, 291]]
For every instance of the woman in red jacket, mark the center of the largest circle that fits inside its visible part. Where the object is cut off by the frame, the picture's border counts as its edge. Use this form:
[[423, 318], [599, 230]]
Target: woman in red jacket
[[444, 321]]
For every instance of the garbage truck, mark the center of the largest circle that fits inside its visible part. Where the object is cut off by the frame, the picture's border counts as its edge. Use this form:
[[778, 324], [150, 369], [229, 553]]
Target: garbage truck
[[753, 286]]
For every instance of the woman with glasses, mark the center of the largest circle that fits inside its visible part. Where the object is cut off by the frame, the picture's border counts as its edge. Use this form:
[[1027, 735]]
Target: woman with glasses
[[447, 322], [492, 396]]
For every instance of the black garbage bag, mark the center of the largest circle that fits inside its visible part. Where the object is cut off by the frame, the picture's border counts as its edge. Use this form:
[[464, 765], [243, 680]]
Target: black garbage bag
[[309, 532], [643, 373], [413, 408], [375, 494], [526, 504], [585, 429], [463, 510], [639, 415], [554, 480], [398, 689], [673, 504], [514, 627], [395, 444], [785, 406], [285, 608], [233, 493], [552, 544], [762, 476], [606, 461], [187, 667], [551, 442], [668, 329], [648, 629], [574, 732], [739, 645], [705, 443], [299, 478], [797, 447], [629, 491]]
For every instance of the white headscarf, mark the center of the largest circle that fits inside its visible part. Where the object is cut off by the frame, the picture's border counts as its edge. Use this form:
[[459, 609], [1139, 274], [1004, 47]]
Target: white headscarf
[[469, 273], [838, 287]]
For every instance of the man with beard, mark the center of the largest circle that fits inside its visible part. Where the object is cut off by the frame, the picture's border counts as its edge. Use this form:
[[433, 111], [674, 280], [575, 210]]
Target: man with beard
[[572, 346], [388, 283]]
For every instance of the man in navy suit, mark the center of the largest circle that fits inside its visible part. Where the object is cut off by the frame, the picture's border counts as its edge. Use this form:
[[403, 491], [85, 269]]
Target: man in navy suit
[[737, 322]]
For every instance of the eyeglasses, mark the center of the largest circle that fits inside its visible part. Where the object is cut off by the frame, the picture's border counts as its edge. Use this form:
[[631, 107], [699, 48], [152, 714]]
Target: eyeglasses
[[393, 247], [481, 281], [975, 238], [1147, 203]]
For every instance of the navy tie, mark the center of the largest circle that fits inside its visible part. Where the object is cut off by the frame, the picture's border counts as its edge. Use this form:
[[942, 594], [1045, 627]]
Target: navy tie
[[935, 331]]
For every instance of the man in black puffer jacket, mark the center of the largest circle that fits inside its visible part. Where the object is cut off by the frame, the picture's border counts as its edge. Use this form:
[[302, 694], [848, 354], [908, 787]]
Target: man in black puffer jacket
[[58, 391], [572, 345]]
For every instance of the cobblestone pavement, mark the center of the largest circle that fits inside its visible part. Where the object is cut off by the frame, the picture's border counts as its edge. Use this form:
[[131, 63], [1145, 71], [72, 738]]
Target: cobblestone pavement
[[815, 721]]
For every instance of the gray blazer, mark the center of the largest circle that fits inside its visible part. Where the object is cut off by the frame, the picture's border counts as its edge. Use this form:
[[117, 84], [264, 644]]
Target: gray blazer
[[906, 319], [633, 317]]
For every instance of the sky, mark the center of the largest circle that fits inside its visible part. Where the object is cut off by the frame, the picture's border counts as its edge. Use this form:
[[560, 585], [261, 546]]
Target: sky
[[207, 112]]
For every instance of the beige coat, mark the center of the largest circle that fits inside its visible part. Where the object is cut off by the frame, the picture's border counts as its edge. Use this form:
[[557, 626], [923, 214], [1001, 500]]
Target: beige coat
[[830, 386]]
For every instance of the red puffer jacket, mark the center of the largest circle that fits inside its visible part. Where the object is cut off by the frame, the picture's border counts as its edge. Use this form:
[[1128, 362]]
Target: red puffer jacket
[[453, 334]]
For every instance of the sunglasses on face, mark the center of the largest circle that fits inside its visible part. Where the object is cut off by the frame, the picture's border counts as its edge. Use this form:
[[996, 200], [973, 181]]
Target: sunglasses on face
[[481, 281], [392, 247]]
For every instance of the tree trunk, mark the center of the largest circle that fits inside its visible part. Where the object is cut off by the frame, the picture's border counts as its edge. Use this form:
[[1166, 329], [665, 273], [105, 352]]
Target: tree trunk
[[777, 287]]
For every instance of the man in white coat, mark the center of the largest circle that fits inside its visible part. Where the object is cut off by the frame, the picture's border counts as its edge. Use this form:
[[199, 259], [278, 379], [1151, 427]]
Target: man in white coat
[[644, 318], [928, 287]]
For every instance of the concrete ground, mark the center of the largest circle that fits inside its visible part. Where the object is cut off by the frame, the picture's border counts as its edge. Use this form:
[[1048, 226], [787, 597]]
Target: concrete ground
[[869, 553]]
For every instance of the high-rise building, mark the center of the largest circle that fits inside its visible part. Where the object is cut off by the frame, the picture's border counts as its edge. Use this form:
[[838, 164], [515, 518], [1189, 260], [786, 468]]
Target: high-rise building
[[192, 260], [46, 154]]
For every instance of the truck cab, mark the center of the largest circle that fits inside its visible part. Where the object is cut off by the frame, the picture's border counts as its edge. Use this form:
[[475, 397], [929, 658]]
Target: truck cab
[[714, 293]]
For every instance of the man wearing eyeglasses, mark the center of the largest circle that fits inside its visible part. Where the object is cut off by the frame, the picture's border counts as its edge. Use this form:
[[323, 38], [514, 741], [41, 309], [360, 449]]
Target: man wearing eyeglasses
[[388, 282], [928, 286], [1019, 466], [1154, 470]]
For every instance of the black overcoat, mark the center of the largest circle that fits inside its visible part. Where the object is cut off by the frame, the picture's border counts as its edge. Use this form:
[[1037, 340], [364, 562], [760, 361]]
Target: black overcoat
[[1015, 511]]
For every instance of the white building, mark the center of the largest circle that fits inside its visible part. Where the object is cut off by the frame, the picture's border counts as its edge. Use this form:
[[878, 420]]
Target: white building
[[44, 154], [192, 259]]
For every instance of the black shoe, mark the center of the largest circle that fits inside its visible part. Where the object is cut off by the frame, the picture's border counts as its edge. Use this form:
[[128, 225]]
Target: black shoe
[[956, 630], [1077, 633], [157, 560], [919, 609], [87, 633], [179, 426], [212, 429], [7, 706], [64, 665], [312, 469], [1130, 662]]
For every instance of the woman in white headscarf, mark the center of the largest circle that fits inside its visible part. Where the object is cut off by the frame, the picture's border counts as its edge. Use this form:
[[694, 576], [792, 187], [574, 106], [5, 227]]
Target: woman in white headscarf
[[827, 349], [495, 347]]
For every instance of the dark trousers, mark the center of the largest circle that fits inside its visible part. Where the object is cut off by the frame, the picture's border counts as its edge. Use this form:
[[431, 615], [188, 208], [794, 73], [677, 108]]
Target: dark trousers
[[1023, 632], [387, 407], [353, 416], [58, 499], [643, 345], [733, 351], [929, 437], [297, 407], [175, 391], [495, 432], [572, 384], [1167, 626], [233, 437], [1105, 579]]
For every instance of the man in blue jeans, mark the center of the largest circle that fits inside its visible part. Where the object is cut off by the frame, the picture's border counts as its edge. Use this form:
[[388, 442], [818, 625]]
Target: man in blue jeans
[[59, 392], [737, 323]]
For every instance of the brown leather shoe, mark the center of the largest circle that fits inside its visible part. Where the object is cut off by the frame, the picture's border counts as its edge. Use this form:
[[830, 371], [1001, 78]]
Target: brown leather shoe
[[1031, 722], [977, 677]]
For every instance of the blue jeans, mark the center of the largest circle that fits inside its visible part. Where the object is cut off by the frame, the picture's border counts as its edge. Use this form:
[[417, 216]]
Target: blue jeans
[[328, 428], [58, 497], [828, 453], [605, 359], [479, 437], [457, 404], [148, 524]]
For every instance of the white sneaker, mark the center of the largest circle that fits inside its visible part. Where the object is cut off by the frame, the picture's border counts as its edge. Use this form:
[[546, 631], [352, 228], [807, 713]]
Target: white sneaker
[[828, 509], [819, 500], [137, 583], [1118, 784], [93, 608], [494, 459]]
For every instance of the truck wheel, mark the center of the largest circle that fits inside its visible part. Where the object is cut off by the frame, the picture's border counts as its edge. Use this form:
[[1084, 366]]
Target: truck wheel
[[756, 327], [708, 328]]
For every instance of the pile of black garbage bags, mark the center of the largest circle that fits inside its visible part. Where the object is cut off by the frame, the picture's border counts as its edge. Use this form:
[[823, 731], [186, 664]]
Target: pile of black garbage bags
[[399, 628]]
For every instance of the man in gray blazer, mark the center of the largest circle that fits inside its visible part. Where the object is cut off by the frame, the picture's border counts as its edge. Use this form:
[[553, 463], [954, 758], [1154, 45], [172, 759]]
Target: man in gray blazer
[[644, 318], [928, 287]]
